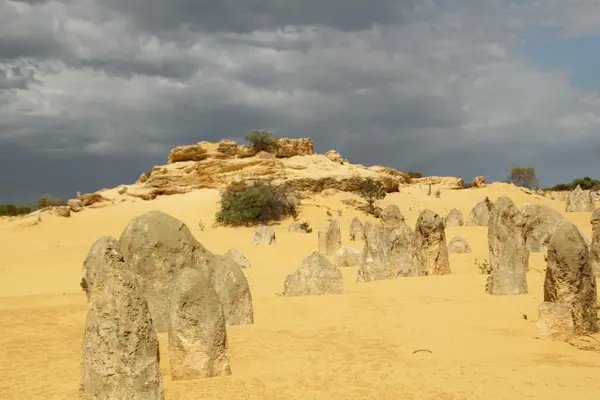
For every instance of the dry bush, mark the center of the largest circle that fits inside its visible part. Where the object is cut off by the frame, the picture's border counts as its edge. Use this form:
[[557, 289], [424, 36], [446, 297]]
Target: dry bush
[[371, 191], [484, 266]]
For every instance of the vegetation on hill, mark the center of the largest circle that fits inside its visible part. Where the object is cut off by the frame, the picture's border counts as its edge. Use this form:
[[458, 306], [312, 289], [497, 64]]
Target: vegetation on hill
[[261, 140], [586, 183], [43, 202], [259, 203], [371, 191], [524, 177]]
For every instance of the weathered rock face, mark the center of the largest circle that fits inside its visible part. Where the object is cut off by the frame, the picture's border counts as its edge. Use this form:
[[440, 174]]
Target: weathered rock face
[[555, 322], [330, 238], [374, 265], [120, 347], [459, 244], [264, 235], [197, 330], [570, 279], [479, 215], [401, 251], [347, 257], [229, 149], [509, 257], [579, 201], [454, 219], [158, 246], [315, 276], [104, 248], [238, 257], [439, 182], [540, 224], [75, 205], [595, 243], [356, 230], [479, 182], [230, 283], [334, 156], [430, 250], [391, 216]]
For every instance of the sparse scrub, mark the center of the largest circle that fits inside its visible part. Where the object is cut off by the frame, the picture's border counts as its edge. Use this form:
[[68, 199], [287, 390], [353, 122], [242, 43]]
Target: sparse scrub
[[413, 174], [13, 210], [438, 194], [305, 226], [586, 183], [258, 203], [524, 177], [261, 141], [49, 201], [371, 191], [484, 266]]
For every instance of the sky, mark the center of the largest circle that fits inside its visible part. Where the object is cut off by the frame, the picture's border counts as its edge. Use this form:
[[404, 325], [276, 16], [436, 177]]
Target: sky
[[94, 92]]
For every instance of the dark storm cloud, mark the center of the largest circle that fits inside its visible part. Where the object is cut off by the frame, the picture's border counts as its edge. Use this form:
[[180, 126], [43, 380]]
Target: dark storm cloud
[[246, 16], [94, 91]]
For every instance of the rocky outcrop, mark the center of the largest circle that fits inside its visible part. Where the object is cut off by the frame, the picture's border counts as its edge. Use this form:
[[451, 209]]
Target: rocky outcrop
[[479, 182], [158, 246], [579, 201], [103, 249], [430, 249], [401, 251], [540, 224], [330, 238], [197, 329], [120, 348], [284, 148], [356, 230], [264, 235], [555, 322], [336, 157], [479, 215], [454, 219], [570, 279], [374, 265], [459, 244], [75, 205], [316, 276], [595, 242], [238, 257], [347, 257], [509, 257], [392, 217], [439, 182]]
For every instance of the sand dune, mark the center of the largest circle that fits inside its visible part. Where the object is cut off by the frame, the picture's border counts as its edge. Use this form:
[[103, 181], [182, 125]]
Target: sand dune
[[357, 345]]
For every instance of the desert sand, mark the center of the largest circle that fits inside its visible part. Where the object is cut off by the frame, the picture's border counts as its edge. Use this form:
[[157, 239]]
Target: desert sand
[[361, 344]]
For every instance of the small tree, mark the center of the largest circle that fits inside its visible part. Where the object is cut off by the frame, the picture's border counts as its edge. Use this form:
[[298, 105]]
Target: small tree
[[370, 190], [261, 140], [48, 200], [524, 177], [414, 174]]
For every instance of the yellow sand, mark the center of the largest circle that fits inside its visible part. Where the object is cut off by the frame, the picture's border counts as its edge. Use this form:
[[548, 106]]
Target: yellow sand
[[358, 345]]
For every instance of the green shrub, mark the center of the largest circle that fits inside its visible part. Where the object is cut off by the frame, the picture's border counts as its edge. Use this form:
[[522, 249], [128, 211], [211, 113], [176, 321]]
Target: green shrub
[[414, 174], [371, 190], [524, 177], [12, 210], [48, 201], [261, 141], [259, 203]]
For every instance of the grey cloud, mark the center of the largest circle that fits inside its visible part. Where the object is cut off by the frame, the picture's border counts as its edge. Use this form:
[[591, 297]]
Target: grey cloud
[[440, 90], [246, 16]]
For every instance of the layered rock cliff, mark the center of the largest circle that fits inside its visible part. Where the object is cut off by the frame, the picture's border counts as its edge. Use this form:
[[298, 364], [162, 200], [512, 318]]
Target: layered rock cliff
[[292, 162]]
